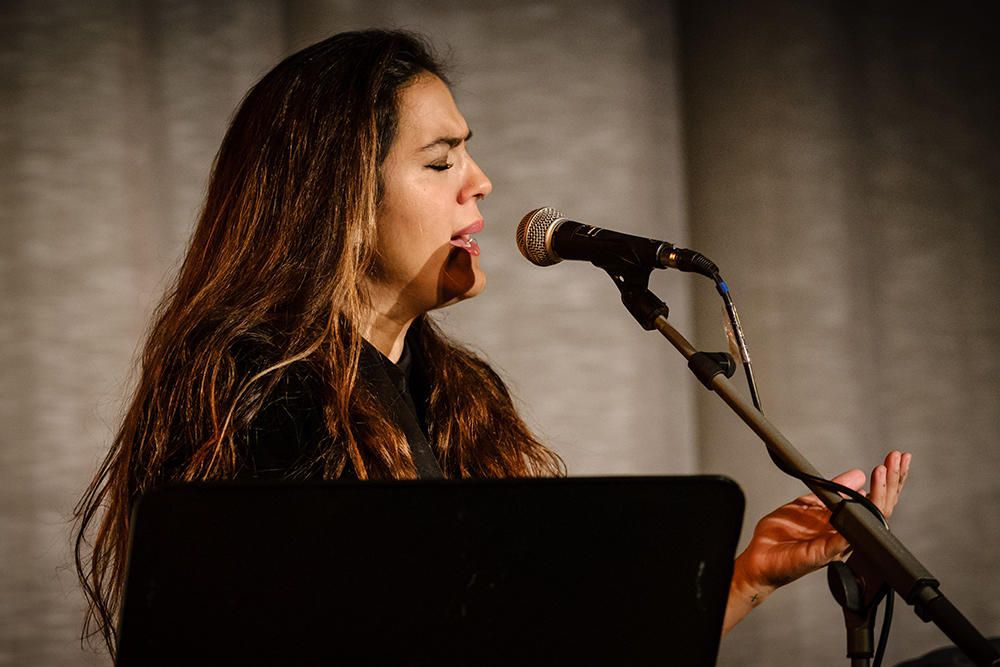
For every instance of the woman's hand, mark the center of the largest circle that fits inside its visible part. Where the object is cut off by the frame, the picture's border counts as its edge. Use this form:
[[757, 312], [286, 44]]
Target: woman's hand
[[796, 538]]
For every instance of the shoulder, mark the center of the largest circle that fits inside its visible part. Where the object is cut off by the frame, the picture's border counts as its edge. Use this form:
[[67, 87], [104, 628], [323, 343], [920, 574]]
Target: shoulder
[[289, 428]]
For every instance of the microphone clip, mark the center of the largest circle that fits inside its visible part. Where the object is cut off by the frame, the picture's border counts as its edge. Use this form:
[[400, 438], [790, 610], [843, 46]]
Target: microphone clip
[[646, 308], [633, 283]]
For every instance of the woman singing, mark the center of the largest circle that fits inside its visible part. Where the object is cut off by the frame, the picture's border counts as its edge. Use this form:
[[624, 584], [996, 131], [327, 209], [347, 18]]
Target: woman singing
[[297, 343]]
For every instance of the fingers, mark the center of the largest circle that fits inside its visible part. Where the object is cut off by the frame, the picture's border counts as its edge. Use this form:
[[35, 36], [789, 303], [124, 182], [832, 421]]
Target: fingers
[[888, 480], [878, 492], [896, 469], [893, 462], [904, 468]]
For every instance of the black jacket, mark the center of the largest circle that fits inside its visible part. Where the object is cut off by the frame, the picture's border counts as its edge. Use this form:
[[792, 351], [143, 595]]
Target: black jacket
[[291, 424]]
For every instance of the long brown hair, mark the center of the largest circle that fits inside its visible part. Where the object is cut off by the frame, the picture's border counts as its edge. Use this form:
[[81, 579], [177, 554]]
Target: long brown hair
[[272, 284]]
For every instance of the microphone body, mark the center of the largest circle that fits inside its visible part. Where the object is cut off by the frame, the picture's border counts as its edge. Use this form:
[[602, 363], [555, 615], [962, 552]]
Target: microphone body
[[545, 237], [575, 240]]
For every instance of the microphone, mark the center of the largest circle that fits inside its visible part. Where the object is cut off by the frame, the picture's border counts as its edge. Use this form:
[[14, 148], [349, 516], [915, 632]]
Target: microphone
[[545, 237]]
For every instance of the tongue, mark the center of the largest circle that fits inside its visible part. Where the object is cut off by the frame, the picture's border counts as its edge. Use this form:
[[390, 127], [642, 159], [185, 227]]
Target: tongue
[[466, 243]]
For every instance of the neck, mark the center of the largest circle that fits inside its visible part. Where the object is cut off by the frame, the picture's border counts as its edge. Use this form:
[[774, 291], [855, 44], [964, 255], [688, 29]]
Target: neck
[[387, 334], [389, 319]]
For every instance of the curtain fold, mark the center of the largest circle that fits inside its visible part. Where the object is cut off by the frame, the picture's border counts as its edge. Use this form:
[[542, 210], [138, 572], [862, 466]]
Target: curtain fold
[[842, 165]]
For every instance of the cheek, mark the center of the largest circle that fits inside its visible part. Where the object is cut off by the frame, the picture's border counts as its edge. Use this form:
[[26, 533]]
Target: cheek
[[415, 224], [415, 227], [404, 212], [411, 241], [410, 256]]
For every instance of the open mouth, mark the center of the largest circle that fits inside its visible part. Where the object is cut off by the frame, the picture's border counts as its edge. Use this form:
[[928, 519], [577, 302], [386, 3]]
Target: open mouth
[[463, 239]]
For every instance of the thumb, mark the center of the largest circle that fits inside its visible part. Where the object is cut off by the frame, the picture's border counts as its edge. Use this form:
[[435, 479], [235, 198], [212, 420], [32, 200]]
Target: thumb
[[852, 479]]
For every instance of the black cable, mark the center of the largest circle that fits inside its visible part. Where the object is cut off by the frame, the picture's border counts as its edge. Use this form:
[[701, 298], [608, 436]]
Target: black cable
[[883, 635], [741, 344]]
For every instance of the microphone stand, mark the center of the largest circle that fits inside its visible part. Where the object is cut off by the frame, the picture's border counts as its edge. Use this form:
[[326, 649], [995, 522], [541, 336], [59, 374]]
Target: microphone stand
[[878, 554]]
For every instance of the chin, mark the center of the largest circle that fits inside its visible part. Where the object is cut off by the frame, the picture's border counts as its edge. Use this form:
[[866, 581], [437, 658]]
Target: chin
[[477, 287], [462, 278]]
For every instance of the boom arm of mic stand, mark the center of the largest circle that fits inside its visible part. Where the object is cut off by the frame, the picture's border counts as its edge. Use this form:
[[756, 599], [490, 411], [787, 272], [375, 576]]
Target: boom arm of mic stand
[[866, 534]]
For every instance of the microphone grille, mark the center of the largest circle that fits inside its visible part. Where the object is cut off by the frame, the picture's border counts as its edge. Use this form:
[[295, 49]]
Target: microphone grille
[[532, 233]]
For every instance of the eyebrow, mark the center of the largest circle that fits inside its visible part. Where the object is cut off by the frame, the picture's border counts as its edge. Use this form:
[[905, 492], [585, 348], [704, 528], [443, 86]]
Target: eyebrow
[[450, 142]]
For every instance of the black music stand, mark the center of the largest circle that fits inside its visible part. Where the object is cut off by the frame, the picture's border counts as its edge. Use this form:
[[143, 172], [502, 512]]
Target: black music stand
[[631, 570]]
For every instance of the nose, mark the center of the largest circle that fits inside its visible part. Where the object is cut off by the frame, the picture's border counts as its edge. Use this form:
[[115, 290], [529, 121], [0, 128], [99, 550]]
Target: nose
[[477, 184]]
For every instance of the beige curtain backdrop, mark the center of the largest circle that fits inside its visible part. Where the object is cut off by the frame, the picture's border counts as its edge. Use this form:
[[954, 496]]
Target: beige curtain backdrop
[[842, 163], [838, 162]]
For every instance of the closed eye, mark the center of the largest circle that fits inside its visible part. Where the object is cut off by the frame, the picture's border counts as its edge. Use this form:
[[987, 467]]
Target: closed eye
[[441, 167]]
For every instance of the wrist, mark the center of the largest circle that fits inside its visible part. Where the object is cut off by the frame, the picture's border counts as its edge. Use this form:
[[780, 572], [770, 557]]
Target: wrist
[[749, 587], [746, 592]]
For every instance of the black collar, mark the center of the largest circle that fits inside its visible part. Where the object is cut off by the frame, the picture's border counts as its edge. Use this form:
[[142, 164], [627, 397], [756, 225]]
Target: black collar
[[400, 387]]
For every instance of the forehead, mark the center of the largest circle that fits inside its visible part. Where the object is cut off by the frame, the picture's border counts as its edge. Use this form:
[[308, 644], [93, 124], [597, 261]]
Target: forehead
[[427, 111]]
